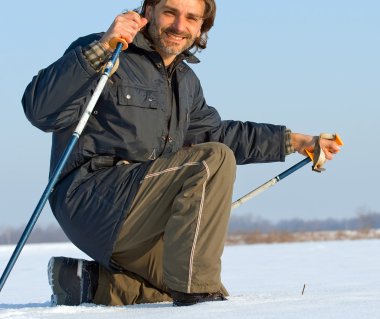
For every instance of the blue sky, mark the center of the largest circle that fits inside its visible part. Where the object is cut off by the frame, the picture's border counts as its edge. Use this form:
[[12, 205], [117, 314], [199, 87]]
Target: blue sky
[[310, 65]]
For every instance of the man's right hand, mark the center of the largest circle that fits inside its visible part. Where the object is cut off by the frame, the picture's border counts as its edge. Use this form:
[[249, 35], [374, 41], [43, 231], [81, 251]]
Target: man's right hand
[[123, 29]]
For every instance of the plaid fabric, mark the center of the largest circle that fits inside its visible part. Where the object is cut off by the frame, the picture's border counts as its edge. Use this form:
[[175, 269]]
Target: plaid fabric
[[288, 142], [96, 55]]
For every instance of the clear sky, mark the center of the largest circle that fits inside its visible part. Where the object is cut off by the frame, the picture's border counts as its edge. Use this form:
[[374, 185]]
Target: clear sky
[[313, 66]]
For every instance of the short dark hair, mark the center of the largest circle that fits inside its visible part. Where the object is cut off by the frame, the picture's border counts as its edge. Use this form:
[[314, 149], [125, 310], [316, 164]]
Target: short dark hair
[[208, 20]]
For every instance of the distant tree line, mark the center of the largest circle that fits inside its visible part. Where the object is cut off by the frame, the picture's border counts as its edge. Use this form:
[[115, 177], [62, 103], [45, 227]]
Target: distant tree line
[[365, 220], [50, 234]]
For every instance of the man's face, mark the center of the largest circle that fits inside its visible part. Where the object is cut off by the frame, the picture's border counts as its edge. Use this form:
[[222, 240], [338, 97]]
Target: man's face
[[174, 25]]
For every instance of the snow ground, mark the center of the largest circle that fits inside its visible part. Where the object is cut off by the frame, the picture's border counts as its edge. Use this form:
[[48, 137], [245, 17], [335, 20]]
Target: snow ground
[[265, 281]]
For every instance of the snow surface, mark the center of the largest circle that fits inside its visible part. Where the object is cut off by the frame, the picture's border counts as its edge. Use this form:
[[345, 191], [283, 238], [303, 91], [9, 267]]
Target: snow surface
[[265, 281]]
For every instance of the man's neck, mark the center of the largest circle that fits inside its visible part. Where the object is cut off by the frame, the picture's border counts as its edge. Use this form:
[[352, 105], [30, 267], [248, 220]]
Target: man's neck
[[167, 60]]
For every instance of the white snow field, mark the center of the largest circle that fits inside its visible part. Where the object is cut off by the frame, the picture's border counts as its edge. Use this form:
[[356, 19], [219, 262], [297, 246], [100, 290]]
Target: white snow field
[[342, 280]]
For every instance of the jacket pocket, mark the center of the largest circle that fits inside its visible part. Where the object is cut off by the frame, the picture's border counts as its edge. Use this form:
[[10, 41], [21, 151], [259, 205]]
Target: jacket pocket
[[135, 96], [139, 121]]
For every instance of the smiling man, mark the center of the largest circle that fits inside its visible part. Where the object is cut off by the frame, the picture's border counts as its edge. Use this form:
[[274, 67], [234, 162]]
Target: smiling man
[[171, 35], [147, 191]]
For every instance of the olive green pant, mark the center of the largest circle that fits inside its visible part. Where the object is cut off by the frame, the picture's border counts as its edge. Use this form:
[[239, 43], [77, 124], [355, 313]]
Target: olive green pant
[[173, 237]]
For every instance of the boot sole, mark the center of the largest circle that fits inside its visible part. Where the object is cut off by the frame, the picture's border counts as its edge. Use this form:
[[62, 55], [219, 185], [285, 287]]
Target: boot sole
[[60, 295]]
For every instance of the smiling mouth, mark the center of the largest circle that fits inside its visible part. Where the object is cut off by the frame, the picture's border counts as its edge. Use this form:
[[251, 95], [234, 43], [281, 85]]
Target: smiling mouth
[[175, 37]]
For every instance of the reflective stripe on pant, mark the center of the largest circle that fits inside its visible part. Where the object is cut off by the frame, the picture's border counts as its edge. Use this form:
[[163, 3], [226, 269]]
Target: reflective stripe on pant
[[173, 237]]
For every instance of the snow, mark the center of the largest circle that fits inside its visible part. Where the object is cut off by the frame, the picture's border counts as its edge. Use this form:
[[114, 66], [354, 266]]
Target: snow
[[341, 280]]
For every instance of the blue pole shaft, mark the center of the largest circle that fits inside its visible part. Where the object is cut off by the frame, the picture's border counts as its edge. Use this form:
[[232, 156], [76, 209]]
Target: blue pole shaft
[[37, 212], [294, 168], [58, 170], [270, 183]]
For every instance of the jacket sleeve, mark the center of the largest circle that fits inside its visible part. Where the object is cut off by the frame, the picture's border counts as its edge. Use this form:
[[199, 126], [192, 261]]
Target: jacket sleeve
[[57, 95], [251, 142]]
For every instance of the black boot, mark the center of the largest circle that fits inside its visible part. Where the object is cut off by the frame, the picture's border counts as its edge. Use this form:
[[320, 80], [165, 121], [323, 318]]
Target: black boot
[[73, 281], [182, 299]]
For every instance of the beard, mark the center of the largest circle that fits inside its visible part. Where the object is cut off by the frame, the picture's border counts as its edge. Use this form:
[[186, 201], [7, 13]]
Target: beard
[[162, 42]]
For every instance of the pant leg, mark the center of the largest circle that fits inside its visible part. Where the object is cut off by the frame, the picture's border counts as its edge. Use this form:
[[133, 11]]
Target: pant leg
[[126, 288], [173, 237]]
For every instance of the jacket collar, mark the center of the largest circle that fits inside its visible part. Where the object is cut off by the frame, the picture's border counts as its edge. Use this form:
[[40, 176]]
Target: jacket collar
[[141, 41]]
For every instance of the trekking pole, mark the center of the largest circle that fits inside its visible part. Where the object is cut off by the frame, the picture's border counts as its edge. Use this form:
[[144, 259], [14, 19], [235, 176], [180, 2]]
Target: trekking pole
[[318, 159], [69, 148], [270, 183]]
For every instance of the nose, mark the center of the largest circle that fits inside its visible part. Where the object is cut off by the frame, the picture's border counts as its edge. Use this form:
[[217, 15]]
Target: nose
[[179, 23]]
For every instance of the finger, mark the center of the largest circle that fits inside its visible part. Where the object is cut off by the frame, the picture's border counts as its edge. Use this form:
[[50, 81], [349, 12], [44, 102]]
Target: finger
[[143, 22], [124, 30], [331, 151], [128, 33], [334, 148], [132, 15], [329, 145], [126, 21], [135, 17], [329, 156]]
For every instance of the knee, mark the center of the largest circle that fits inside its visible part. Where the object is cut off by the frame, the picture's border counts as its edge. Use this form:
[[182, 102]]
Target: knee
[[223, 154]]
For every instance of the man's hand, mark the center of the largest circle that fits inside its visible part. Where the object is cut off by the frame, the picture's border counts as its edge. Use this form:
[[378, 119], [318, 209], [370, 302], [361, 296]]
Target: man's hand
[[123, 29], [300, 142]]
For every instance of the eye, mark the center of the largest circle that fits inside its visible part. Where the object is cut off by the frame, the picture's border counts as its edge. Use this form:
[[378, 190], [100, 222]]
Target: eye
[[194, 18], [169, 13]]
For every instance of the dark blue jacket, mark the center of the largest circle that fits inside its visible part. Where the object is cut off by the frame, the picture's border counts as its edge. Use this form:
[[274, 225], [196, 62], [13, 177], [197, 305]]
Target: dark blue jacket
[[144, 112]]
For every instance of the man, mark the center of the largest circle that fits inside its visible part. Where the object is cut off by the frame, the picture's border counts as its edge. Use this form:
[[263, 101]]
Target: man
[[147, 191]]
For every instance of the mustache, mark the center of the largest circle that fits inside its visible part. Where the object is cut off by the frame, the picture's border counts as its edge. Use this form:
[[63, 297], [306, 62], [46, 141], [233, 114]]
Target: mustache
[[176, 33]]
